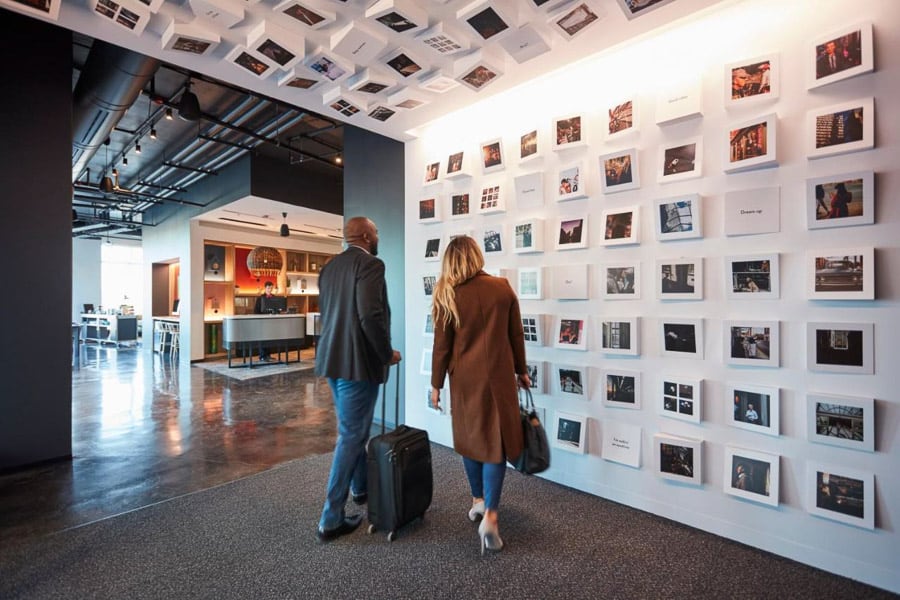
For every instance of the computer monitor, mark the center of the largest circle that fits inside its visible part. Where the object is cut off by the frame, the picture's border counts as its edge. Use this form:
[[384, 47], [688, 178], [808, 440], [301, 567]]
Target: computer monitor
[[88, 308], [273, 305]]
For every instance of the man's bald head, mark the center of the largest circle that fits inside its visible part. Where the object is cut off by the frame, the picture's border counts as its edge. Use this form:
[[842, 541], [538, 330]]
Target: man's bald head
[[361, 231]]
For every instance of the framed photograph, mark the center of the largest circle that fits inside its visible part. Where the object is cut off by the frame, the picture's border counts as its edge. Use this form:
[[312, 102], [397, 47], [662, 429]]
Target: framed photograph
[[276, 44], [622, 281], [841, 421], [751, 212], [679, 218], [398, 16], [570, 333], [682, 398], [438, 83], [530, 283], [457, 165], [537, 372], [493, 198], [570, 282], [755, 408], [752, 81], [840, 128], [428, 324], [432, 172], [430, 210], [619, 171], [479, 76], [840, 200], [751, 343], [841, 494], [534, 329], [48, 9], [250, 63], [681, 161], [572, 381], [682, 337], [568, 132], [132, 16], [752, 475], [187, 37], [573, 19], [621, 336], [328, 66], [381, 113], [634, 9], [492, 240], [428, 282], [841, 347], [622, 119], [528, 236], [300, 81], [525, 43], [530, 146], [752, 277], [529, 190], [366, 81], [621, 226], [459, 205], [443, 42], [840, 274], [572, 233], [679, 279], [306, 13], [433, 249], [401, 62], [752, 144], [492, 156], [622, 389], [680, 102], [425, 367], [572, 182], [345, 107], [486, 19], [840, 55], [569, 432], [621, 443], [678, 458]]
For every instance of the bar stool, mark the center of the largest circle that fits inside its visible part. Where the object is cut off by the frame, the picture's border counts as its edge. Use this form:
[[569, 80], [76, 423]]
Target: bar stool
[[162, 328], [174, 338]]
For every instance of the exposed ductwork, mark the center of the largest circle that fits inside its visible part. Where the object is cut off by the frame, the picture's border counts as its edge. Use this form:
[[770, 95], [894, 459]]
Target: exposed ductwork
[[110, 82]]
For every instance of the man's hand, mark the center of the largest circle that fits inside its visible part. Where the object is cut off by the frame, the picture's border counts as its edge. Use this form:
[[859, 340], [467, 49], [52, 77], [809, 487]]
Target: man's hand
[[395, 358]]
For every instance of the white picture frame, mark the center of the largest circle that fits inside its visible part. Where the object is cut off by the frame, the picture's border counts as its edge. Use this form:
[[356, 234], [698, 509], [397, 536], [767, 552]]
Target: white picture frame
[[442, 41], [529, 190], [345, 106], [403, 63], [437, 82], [752, 81], [570, 332], [302, 79], [492, 157], [480, 75], [621, 280], [431, 209], [130, 15], [679, 217], [619, 171], [622, 118], [531, 146], [569, 432], [533, 327], [572, 232], [530, 283], [460, 205], [367, 81], [751, 343], [486, 19], [620, 336], [49, 11], [752, 475], [428, 323], [678, 458], [573, 19], [679, 278], [569, 131], [680, 102], [251, 63], [525, 43], [621, 443], [572, 182], [621, 226], [492, 198], [457, 165], [755, 408], [307, 13], [399, 16], [856, 488], [840, 274], [840, 347], [425, 365], [751, 144], [191, 38], [681, 398], [844, 421], [433, 248], [842, 200], [326, 64], [432, 173], [681, 160], [571, 381], [752, 212], [570, 282], [858, 59], [752, 276], [537, 372], [840, 128], [621, 388], [279, 46], [681, 337], [493, 240], [528, 236]]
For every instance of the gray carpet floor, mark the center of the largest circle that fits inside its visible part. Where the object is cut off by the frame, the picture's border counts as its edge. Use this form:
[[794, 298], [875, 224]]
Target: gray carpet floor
[[243, 373], [255, 538]]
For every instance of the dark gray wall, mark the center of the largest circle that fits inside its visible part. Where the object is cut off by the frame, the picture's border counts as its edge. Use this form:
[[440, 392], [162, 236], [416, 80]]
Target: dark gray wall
[[374, 188], [35, 241], [310, 184]]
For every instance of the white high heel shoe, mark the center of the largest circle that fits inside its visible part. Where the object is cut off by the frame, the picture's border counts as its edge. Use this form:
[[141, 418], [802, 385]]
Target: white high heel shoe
[[490, 537], [477, 511]]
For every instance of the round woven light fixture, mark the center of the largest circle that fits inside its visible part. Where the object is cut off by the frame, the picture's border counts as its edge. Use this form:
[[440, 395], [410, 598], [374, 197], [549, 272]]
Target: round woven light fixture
[[264, 262]]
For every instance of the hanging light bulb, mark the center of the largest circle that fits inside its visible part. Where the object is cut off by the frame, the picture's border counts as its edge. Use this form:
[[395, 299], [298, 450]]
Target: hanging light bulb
[[137, 148], [338, 159], [152, 133], [124, 161], [169, 116], [285, 230]]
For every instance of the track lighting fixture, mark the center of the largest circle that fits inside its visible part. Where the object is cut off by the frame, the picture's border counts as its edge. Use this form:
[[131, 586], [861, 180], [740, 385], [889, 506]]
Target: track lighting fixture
[[137, 148], [338, 160], [285, 230], [124, 161], [189, 105], [106, 184], [168, 114], [152, 133]]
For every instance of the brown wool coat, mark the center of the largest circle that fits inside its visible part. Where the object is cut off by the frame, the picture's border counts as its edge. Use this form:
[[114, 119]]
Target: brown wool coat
[[482, 358]]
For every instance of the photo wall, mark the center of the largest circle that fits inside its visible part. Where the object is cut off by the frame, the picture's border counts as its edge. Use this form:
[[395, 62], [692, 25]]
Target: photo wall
[[704, 247]]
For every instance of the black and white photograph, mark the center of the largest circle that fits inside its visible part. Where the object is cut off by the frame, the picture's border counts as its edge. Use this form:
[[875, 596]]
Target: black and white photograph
[[433, 249], [534, 330], [752, 475], [568, 132], [682, 337], [428, 282], [618, 171], [839, 55], [840, 347], [751, 343], [572, 381], [570, 333], [621, 336], [840, 200], [841, 494], [681, 398], [493, 241], [841, 128], [752, 277], [536, 370], [622, 389], [428, 324], [841, 274], [755, 408], [679, 458], [622, 281], [679, 218], [570, 432], [572, 233], [680, 280], [684, 161], [845, 421]]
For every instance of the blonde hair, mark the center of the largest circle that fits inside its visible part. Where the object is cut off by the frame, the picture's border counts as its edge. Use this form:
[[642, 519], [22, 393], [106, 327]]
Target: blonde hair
[[462, 261]]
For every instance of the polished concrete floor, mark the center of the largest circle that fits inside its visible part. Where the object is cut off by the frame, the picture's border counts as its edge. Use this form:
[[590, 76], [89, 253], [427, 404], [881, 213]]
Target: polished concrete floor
[[145, 429]]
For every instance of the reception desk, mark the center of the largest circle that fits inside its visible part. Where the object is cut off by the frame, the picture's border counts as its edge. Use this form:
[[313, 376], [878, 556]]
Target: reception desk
[[114, 329], [245, 332]]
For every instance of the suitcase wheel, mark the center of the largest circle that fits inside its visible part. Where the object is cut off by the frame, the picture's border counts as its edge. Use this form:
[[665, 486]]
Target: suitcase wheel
[[391, 535], [371, 529]]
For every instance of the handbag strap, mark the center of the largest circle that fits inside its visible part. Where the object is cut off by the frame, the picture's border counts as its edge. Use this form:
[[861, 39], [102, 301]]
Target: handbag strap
[[529, 400]]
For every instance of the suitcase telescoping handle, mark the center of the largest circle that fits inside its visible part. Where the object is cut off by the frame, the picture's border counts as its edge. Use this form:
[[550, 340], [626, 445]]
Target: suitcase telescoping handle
[[387, 377]]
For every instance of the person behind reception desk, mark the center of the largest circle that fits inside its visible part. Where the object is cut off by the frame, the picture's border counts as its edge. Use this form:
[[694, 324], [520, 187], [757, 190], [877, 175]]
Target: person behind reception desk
[[265, 304]]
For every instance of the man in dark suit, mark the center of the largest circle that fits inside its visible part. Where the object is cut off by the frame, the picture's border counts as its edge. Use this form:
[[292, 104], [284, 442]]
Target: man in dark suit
[[260, 308], [830, 62], [354, 353]]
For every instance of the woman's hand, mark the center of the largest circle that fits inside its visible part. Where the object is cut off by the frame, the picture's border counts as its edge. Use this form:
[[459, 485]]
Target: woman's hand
[[436, 399], [524, 381]]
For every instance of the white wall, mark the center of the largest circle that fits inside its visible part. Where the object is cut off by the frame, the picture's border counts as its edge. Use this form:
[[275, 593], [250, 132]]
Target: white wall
[[737, 31], [86, 280]]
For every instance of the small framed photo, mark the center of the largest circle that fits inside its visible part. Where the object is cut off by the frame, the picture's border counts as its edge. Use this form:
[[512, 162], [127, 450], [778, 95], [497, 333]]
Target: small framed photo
[[251, 63], [840, 347], [430, 210], [457, 165], [425, 367], [437, 83], [841, 494], [619, 171], [301, 81], [537, 372], [679, 458], [428, 282], [533, 325], [366, 81], [493, 198], [401, 62], [682, 398], [443, 42], [840, 200], [433, 249], [573, 233], [48, 9], [840, 55], [840, 274], [572, 182], [841, 421], [753, 211], [276, 44], [752, 475], [752, 277], [622, 119], [530, 146], [528, 236], [399, 17], [681, 161], [752, 343], [306, 13], [529, 190], [573, 19], [755, 408], [327, 65], [572, 381], [432, 172], [680, 101], [381, 113], [492, 240], [623, 281], [679, 218], [570, 333], [621, 336], [486, 18], [682, 337], [570, 282], [492, 156], [459, 205], [634, 9], [345, 107], [479, 76], [622, 389], [752, 81], [428, 324], [621, 226], [132, 16], [568, 132], [680, 279], [752, 144], [186, 37], [569, 432], [840, 128], [530, 283]]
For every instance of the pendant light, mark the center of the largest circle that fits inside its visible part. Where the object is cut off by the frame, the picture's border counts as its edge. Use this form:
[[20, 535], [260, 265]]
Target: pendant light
[[285, 230]]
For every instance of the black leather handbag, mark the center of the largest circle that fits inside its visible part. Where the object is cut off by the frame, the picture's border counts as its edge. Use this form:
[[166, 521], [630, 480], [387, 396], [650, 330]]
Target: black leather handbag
[[535, 457]]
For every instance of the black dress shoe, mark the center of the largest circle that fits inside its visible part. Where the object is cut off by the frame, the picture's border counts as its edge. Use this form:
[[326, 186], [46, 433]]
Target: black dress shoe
[[349, 525], [359, 499]]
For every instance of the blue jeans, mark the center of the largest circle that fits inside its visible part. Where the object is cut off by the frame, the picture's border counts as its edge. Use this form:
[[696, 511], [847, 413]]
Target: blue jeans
[[354, 404], [486, 481]]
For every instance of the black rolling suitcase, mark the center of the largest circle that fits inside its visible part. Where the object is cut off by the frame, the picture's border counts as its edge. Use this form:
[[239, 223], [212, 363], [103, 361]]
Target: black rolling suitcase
[[400, 479]]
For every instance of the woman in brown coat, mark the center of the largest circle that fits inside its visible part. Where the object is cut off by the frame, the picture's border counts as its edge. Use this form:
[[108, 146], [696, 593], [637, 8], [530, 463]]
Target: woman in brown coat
[[479, 341]]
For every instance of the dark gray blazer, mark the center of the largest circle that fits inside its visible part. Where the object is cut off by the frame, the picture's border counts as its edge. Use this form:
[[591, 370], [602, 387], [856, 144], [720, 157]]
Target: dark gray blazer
[[355, 343]]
